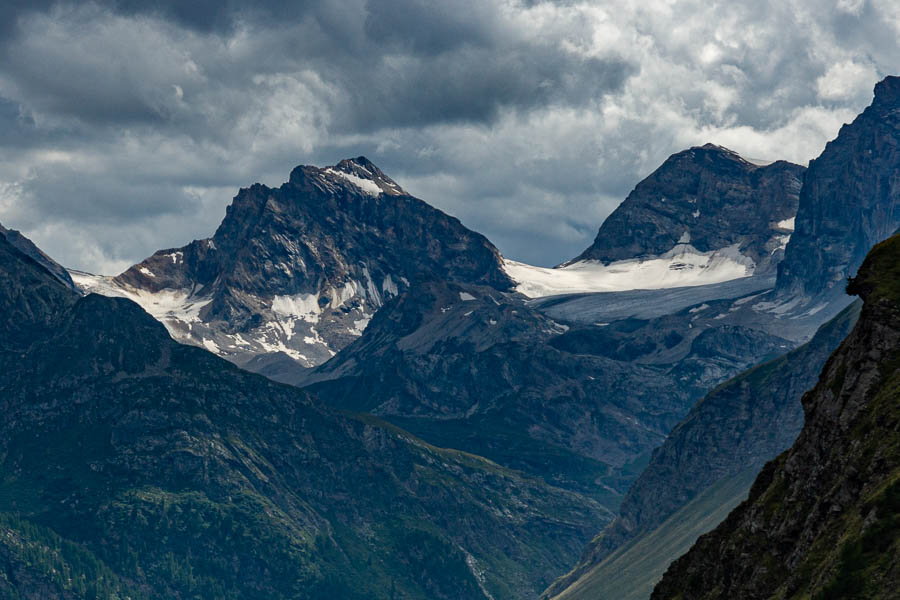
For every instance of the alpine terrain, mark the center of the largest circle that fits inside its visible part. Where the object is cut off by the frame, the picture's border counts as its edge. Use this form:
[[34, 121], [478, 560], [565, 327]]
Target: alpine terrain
[[134, 466], [823, 520], [742, 424]]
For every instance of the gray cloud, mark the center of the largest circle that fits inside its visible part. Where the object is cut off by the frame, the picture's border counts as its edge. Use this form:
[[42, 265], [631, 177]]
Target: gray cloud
[[127, 126]]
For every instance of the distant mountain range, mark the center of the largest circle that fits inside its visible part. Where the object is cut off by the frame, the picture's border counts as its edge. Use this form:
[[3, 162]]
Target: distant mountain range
[[466, 422]]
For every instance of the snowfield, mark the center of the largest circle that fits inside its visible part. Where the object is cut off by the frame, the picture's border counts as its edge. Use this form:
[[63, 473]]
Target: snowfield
[[682, 266]]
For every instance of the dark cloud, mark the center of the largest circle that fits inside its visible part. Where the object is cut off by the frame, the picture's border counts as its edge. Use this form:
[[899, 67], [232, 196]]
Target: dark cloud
[[127, 125]]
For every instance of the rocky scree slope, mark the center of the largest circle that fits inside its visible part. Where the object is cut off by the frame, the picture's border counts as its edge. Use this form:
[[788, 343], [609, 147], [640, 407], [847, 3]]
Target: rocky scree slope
[[298, 271], [823, 520], [142, 464]]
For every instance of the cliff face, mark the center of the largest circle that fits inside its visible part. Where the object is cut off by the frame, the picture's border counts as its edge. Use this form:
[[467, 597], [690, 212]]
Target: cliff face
[[850, 201], [823, 520], [708, 197]]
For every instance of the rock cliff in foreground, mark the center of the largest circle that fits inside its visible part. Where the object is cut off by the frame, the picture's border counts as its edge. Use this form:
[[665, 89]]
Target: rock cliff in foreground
[[823, 520]]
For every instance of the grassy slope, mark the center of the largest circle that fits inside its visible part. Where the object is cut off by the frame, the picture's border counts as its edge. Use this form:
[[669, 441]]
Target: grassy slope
[[631, 572]]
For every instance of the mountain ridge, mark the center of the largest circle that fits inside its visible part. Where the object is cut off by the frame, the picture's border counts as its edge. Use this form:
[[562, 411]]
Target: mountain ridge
[[822, 519]]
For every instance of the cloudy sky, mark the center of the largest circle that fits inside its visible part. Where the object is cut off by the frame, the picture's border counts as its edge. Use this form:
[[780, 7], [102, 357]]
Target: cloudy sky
[[128, 126]]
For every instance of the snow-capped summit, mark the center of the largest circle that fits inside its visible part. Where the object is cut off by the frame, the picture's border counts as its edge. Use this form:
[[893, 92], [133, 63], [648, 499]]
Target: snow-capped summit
[[706, 215], [299, 270], [355, 173]]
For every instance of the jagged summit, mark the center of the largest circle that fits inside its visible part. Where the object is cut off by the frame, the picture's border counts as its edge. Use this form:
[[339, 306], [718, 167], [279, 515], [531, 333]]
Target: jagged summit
[[300, 269], [888, 90], [359, 172]]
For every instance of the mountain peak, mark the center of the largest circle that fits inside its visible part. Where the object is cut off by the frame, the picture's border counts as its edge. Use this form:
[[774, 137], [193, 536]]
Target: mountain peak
[[888, 90], [709, 196], [358, 174]]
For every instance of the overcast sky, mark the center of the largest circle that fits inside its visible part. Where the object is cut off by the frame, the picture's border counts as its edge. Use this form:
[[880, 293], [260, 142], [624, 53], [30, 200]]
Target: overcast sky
[[125, 129]]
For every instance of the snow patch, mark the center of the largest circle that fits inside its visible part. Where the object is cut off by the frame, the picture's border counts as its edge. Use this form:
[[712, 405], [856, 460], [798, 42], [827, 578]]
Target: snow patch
[[466, 297], [682, 266], [301, 306], [786, 224], [388, 287], [169, 306], [146, 272], [366, 185]]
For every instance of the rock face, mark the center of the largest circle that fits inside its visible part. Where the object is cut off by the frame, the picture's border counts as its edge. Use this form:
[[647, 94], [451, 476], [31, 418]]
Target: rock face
[[823, 520], [27, 247], [708, 197], [739, 426], [301, 269], [136, 466], [849, 202], [481, 371]]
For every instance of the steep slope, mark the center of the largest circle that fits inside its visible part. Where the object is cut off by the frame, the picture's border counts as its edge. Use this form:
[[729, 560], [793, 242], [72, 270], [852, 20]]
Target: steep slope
[[27, 247], [631, 572], [477, 370], [823, 520], [848, 203], [301, 269], [733, 430], [705, 216], [165, 469]]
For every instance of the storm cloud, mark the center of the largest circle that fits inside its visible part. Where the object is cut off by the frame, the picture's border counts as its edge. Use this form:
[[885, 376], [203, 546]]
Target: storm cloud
[[128, 126]]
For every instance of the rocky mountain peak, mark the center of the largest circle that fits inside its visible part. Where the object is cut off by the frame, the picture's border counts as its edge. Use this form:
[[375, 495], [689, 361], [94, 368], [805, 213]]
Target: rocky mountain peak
[[27, 247], [710, 198], [849, 202], [887, 91], [356, 174], [300, 269]]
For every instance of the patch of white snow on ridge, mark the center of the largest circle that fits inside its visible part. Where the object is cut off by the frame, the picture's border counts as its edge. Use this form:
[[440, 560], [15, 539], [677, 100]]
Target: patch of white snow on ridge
[[170, 307], [301, 306], [147, 272], [786, 224], [685, 238], [465, 296], [366, 185], [682, 266]]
